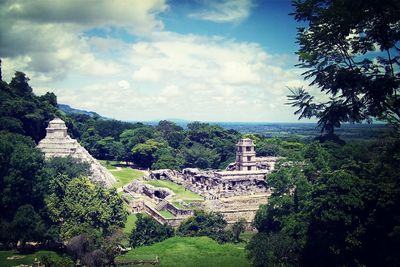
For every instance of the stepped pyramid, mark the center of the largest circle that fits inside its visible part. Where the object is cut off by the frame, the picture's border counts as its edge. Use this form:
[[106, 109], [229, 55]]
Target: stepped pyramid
[[58, 143]]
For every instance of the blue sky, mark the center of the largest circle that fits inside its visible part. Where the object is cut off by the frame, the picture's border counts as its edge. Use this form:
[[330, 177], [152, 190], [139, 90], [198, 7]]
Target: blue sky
[[155, 59]]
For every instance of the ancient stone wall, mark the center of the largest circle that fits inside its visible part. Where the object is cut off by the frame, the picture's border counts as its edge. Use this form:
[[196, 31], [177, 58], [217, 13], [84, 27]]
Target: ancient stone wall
[[235, 208], [174, 222], [178, 212], [148, 190]]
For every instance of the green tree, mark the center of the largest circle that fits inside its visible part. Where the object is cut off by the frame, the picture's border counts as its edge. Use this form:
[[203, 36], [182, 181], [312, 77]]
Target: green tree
[[78, 202], [211, 224], [111, 245], [201, 157], [21, 173], [350, 50], [132, 137], [165, 159], [144, 154], [23, 112], [109, 149], [113, 128], [27, 225], [68, 166], [337, 202], [336, 229], [148, 231], [171, 132], [90, 140], [237, 228], [272, 249]]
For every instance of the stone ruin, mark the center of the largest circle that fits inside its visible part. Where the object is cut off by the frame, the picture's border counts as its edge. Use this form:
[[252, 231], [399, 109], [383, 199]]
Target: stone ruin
[[236, 192], [58, 143]]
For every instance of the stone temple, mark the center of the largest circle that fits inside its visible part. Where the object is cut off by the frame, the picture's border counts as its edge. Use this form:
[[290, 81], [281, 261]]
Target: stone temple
[[58, 143], [235, 192]]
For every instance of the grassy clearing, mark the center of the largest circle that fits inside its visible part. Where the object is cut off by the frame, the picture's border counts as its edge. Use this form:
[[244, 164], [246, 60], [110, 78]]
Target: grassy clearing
[[193, 251], [10, 258], [130, 223], [137, 257], [125, 176], [180, 191], [178, 205], [166, 214]]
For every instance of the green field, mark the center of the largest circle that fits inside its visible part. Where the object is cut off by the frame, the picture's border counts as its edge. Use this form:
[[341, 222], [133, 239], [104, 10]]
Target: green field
[[181, 192], [192, 251], [178, 205], [130, 223], [10, 258], [166, 214], [124, 175]]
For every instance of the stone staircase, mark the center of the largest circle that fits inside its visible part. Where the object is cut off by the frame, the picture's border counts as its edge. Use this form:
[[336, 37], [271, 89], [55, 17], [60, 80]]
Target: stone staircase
[[161, 205]]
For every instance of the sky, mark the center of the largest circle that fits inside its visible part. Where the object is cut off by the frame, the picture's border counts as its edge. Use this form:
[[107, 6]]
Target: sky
[[139, 60]]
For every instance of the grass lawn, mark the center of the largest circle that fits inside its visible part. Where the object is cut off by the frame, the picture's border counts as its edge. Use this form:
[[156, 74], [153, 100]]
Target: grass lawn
[[192, 251], [166, 214], [178, 204], [125, 176], [180, 191], [16, 259], [130, 223]]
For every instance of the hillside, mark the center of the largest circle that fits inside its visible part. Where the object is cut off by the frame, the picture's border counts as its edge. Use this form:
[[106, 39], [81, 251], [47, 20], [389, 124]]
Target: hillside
[[69, 110]]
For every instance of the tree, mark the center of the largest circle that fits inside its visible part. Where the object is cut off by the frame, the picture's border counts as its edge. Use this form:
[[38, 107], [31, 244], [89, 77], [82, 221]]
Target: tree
[[335, 232], [78, 203], [201, 157], [211, 224], [165, 159], [23, 112], [81, 246], [20, 180], [351, 53], [132, 137], [237, 228], [111, 245], [68, 166], [272, 249], [19, 84], [337, 202], [148, 231], [109, 149], [27, 225], [171, 132], [145, 154]]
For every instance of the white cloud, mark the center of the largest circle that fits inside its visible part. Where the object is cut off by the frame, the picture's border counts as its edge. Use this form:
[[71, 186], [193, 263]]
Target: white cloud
[[145, 74], [50, 34], [190, 77], [124, 84], [139, 17], [224, 11], [163, 75]]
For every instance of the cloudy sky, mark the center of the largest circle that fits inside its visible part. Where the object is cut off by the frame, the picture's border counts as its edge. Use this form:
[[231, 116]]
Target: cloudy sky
[[207, 60]]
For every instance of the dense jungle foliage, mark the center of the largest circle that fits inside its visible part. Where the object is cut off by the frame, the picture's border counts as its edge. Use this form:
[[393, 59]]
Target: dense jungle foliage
[[337, 200], [52, 201], [337, 204]]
